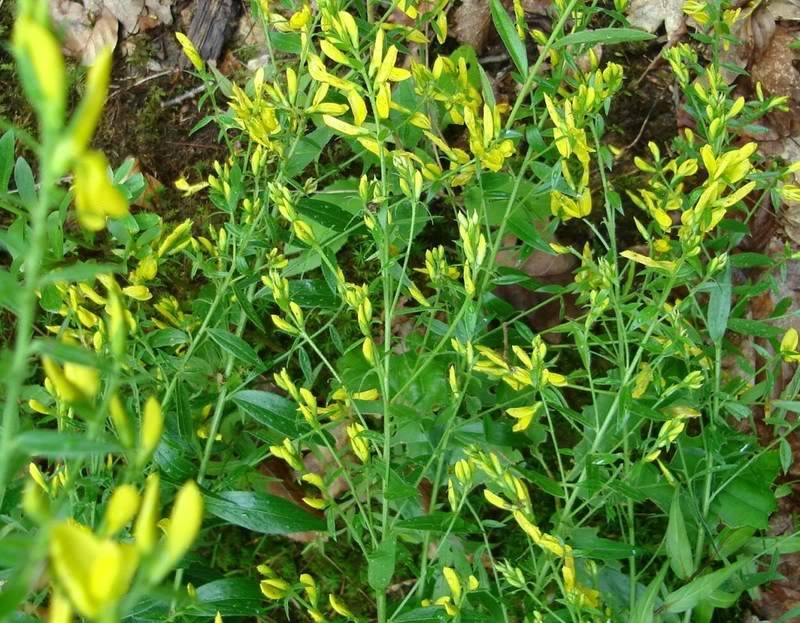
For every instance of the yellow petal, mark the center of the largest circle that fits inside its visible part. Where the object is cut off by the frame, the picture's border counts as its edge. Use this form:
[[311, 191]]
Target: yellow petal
[[184, 525], [190, 51], [112, 571], [333, 53], [121, 508], [358, 107], [88, 113], [145, 531], [96, 198], [152, 427], [39, 51], [73, 547], [453, 582], [342, 126], [789, 341], [139, 293]]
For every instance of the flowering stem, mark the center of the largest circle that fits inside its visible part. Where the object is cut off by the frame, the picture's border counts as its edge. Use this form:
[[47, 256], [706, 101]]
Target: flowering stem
[[19, 368]]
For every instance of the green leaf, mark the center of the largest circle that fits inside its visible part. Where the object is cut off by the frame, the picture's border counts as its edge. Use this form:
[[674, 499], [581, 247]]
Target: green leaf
[[23, 179], [688, 596], [17, 586], [312, 293], [61, 351], [643, 612], [755, 328], [79, 271], [326, 214], [55, 444], [606, 36], [261, 512], [235, 346], [380, 568], [731, 540], [719, 307], [592, 546], [307, 149], [9, 290], [6, 159], [679, 550], [247, 307], [423, 615], [788, 405], [230, 597], [272, 411], [750, 260], [13, 548], [508, 33], [787, 455], [746, 501]]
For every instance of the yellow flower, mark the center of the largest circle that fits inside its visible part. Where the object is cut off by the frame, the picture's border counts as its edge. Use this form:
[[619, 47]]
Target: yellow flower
[[37, 406], [190, 51], [524, 415], [84, 122], [144, 531], [496, 500], [145, 271], [368, 350], [531, 529], [94, 572], [183, 527], [60, 609], [121, 508], [152, 427], [37, 477], [357, 442], [96, 197], [189, 189], [789, 345], [73, 383], [139, 293], [453, 583], [274, 588], [176, 240], [663, 265], [338, 607], [288, 453], [42, 64], [120, 419]]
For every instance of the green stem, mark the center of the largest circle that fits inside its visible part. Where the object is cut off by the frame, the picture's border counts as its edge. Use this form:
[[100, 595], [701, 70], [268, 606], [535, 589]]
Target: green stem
[[19, 368]]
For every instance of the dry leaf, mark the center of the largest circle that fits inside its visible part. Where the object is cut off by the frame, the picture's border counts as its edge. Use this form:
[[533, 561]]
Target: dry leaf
[[755, 29], [471, 23], [73, 20], [84, 37], [650, 14], [94, 7], [127, 12], [104, 34], [776, 72]]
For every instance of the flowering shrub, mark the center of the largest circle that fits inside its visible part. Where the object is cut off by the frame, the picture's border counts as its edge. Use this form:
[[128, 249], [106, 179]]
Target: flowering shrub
[[333, 331]]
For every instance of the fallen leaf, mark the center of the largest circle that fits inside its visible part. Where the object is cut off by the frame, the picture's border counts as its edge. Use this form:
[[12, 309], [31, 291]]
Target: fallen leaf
[[104, 34], [471, 23], [126, 11], [649, 15], [72, 18], [162, 9], [84, 35], [94, 7], [776, 72]]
